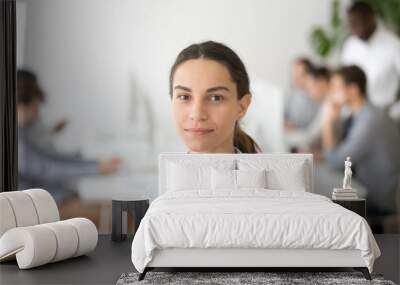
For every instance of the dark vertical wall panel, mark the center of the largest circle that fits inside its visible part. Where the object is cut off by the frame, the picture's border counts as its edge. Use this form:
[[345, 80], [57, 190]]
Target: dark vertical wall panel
[[8, 120]]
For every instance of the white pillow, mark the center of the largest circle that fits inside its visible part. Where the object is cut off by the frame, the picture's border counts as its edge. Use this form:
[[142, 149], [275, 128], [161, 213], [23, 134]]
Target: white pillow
[[223, 179], [282, 174], [251, 178], [226, 179], [187, 177], [191, 174]]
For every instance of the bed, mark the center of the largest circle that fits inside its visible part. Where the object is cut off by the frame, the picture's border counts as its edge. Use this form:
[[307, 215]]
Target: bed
[[246, 211]]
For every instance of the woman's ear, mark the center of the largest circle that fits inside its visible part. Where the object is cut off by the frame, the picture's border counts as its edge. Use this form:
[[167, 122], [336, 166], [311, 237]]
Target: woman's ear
[[244, 104]]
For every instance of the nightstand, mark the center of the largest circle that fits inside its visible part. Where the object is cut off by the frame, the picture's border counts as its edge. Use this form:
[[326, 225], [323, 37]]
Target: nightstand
[[120, 209], [358, 206]]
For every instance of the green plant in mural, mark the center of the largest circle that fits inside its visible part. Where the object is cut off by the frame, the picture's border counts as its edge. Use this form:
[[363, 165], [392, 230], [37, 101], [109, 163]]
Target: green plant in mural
[[388, 11], [324, 40]]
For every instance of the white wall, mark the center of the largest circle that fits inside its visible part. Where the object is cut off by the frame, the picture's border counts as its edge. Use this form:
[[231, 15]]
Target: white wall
[[21, 20], [92, 55]]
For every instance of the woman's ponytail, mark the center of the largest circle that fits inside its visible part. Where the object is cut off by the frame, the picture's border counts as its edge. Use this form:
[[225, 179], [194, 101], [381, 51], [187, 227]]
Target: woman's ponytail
[[243, 141]]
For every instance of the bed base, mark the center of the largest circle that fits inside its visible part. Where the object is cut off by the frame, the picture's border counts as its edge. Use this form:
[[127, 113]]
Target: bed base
[[363, 270], [261, 260]]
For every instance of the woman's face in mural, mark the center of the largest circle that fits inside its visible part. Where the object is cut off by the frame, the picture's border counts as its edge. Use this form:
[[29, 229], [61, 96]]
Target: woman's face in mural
[[206, 106]]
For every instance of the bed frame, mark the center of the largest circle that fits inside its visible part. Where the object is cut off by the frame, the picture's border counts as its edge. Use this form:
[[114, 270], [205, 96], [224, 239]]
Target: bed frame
[[251, 259], [234, 259]]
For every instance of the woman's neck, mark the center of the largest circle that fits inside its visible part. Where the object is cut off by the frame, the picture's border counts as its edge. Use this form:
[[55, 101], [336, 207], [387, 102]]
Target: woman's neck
[[227, 148]]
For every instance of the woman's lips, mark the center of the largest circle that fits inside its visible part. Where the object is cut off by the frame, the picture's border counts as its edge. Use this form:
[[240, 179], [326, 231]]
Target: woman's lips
[[199, 131]]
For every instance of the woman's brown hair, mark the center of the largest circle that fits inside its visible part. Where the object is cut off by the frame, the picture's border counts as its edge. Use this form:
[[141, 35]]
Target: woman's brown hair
[[226, 56]]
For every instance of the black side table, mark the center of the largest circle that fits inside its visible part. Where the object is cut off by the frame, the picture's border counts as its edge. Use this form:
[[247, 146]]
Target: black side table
[[358, 206], [120, 210]]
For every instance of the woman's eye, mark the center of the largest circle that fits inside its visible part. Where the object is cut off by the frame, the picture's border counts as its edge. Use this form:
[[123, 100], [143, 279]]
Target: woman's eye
[[183, 97], [216, 98]]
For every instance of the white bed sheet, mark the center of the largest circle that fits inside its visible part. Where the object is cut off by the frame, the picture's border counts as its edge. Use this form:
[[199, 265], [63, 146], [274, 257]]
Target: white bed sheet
[[251, 218]]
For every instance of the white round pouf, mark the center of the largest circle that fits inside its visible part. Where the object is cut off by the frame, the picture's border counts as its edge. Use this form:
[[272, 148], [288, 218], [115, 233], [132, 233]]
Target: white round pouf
[[23, 208], [7, 218], [31, 232], [67, 240], [45, 205], [87, 233], [40, 244], [33, 246]]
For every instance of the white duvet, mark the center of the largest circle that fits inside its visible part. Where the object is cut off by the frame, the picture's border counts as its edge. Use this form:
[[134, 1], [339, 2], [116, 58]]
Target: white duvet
[[250, 219]]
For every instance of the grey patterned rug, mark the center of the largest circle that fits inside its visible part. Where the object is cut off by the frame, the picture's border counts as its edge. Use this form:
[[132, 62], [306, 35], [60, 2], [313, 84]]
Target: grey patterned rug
[[226, 278]]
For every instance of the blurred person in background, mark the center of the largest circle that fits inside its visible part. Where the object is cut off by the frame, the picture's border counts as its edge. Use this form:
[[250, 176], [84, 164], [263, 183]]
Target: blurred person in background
[[372, 141], [309, 139], [40, 167], [39, 134], [376, 50], [300, 109]]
